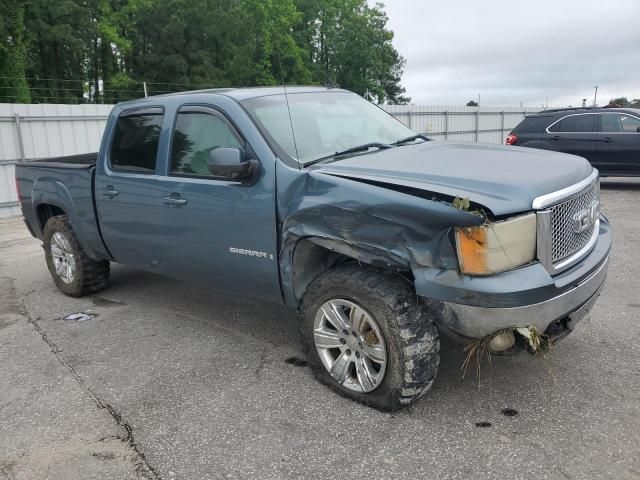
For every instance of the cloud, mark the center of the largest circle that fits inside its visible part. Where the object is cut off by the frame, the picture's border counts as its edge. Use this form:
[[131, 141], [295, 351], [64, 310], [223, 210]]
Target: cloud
[[511, 51]]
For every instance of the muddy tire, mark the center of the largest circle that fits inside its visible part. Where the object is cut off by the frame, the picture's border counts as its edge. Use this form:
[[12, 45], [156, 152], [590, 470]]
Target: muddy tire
[[73, 272], [373, 321]]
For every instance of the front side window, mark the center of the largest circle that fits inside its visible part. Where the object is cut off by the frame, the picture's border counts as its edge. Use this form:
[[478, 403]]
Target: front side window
[[309, 126], [194, 136], [135, 143], [611, 122], [576, 124], [630, 124]]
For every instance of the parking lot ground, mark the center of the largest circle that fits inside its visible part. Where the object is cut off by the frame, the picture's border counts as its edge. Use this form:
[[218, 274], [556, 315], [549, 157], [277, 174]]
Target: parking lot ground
[[174, 381]]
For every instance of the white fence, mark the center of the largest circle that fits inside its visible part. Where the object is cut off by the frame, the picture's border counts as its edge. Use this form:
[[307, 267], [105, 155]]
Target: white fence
[[35, 131], [469, 124], [29, 132]]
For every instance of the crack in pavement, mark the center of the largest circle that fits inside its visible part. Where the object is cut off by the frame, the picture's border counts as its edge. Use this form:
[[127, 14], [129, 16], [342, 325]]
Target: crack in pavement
[[142, 467]]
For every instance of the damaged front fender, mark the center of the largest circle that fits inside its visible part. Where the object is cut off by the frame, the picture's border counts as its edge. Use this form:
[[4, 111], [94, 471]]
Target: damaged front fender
[[371, 224]]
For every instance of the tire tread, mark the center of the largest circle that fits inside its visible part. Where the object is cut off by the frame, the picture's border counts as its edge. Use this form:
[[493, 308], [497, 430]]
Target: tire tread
[[91, 275], [412, 326]]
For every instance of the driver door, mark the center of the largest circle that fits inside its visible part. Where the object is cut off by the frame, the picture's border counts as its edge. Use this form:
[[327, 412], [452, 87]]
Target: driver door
[[221, 233]]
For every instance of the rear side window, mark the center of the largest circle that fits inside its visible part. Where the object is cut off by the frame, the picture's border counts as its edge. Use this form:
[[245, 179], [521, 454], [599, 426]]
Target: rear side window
[[575, 123], [135, 142], [533, 124], [611, 122], [630, 124]]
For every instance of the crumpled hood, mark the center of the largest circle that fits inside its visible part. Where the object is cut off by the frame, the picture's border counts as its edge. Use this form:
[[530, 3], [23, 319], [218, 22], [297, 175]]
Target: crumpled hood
[[503, 179]]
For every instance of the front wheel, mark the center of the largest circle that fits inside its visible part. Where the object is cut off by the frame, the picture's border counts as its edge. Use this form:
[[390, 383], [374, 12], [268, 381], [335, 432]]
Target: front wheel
[[366, 336], [73, 272]]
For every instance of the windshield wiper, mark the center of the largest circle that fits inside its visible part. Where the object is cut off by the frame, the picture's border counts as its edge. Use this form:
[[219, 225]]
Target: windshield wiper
[[359, 148], [411, 139]]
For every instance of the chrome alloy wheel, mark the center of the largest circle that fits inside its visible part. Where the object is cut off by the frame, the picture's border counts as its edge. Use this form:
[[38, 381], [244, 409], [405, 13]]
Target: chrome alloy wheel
[[63, 258], [350, 345]]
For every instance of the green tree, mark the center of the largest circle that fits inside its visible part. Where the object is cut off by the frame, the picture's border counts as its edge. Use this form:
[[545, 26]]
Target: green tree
[[58, 33], [348, 43], [102, 50], [13, 53], [179, 43], [105, 50], [622, 101], [266, 39]]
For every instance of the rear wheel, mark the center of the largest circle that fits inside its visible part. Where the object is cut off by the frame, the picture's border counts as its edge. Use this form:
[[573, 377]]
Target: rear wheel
[[73, 272], [366, 336]]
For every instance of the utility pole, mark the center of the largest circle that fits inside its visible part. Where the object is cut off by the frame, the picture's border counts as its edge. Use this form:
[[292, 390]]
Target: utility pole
[[144, 85], [595, 96]]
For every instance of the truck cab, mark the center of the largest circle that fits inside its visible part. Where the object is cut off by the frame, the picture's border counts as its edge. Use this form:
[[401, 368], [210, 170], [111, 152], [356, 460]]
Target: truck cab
[[160, 207]]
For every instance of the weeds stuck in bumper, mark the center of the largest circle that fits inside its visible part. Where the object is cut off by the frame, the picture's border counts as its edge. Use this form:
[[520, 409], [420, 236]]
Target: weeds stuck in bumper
[[528, 338]]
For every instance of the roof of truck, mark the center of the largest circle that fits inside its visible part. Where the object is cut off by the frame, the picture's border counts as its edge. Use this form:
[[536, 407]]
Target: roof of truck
[[239, 94], [252, 92]]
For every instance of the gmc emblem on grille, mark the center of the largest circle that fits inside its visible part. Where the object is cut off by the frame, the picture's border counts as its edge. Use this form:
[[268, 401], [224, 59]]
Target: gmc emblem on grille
[[585, 219]]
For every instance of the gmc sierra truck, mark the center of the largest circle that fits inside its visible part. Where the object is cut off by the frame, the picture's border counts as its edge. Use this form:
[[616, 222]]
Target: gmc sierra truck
[[315, 198]]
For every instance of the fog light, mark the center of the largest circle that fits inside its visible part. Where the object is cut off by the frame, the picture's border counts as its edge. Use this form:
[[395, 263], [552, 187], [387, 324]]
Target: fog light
[[502, 341]]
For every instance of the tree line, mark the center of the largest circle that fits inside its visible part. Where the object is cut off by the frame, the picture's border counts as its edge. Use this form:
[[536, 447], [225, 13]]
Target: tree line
[[624, 102], [103, 50]]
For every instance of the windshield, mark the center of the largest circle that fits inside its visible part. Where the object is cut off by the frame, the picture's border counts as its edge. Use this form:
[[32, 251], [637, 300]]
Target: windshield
[[324, 123]]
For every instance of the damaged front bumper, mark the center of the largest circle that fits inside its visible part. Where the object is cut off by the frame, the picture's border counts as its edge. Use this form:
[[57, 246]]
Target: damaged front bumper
[[477, 307], [558, 315]]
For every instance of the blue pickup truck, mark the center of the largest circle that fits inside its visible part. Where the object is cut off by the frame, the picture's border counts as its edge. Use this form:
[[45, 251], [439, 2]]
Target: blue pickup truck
[[315, 198]]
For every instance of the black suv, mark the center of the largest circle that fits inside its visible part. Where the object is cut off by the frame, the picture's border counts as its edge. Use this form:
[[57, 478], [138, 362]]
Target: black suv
[[608, 137]]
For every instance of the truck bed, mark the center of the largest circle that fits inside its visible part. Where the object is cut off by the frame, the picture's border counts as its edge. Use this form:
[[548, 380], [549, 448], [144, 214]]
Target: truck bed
[[62, 185], [84, 160]]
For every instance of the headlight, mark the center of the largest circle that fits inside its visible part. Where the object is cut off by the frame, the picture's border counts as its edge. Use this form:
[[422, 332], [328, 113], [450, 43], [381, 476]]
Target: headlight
[[498, 246]]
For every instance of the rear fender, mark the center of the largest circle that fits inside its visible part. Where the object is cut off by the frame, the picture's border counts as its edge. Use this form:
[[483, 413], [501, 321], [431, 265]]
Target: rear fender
[[77, 204], [49, 191]]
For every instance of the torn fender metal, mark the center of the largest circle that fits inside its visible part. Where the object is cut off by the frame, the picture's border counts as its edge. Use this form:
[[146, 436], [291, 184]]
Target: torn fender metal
[[373, 224]]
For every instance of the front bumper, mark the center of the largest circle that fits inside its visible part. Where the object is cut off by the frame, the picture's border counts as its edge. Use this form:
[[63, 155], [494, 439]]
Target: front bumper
[[554, 306], [572, 305]]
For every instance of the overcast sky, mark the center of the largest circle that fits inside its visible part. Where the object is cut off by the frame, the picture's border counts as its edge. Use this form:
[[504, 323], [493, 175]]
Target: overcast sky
[[512, 51]]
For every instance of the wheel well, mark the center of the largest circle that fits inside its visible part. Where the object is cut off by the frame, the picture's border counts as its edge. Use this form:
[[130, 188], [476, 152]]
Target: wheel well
[[311, 260], [45, 211]]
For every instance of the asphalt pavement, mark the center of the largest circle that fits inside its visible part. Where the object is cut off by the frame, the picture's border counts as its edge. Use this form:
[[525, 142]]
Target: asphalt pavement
[[174, 381]]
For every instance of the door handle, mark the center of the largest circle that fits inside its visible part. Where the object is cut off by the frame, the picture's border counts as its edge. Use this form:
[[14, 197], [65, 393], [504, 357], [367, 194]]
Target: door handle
[[607, 139], [109, 191], [175, 200], [555, 137]]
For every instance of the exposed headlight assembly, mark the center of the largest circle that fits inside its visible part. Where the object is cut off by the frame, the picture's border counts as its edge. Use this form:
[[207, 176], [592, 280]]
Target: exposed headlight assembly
[[497, 246]]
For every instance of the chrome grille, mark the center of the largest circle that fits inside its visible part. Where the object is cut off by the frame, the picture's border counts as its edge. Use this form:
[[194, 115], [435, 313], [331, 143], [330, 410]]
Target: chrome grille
[[564, 239]]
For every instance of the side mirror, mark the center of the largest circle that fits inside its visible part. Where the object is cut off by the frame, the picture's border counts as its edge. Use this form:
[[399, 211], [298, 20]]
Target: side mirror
[[231, 163]]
